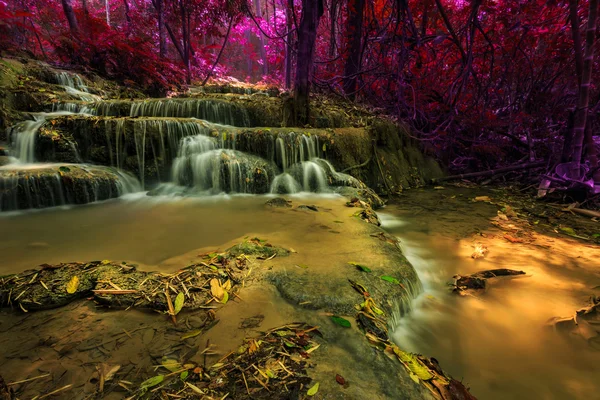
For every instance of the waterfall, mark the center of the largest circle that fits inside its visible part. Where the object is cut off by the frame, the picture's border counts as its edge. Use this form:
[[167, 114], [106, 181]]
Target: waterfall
[[220, 112], [212, 110], [50, 185], [22, 136], [285, 184], [298, 156], [314, 178], [74, 85]]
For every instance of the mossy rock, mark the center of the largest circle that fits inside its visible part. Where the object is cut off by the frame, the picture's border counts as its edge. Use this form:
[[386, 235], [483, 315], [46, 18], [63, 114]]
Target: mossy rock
[[257, 247], [49, 186]]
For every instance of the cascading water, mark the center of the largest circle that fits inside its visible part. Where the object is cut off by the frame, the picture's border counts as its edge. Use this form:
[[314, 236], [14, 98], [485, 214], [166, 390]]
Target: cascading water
[[22, 136], [167, 134], [49, 185], [216, 111], [74, 85]]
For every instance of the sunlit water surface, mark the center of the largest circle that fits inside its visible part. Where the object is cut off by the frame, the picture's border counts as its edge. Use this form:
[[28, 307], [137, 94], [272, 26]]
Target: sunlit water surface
[[146, 230], [498, 343]]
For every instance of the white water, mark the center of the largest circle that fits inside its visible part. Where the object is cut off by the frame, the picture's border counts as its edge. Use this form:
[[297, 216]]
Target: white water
[[22, 136]]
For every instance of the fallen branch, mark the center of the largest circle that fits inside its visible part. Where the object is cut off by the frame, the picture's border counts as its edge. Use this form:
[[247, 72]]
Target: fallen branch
[[491, 172], [587, 213], [357, 166]]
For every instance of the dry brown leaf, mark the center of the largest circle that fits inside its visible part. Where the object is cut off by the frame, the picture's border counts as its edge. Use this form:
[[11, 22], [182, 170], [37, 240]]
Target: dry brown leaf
[[216, 289]]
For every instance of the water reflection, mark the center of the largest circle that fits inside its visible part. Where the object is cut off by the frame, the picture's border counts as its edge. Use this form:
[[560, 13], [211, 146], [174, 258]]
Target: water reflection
[[498, 342]]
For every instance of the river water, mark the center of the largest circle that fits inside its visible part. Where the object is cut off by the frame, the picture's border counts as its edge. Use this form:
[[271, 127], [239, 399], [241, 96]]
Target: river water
[[497, 342]]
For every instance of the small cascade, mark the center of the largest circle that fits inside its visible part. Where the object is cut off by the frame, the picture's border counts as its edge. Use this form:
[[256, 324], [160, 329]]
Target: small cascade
[[67, 79], [303, 170], [215, 111], [222, 170], [73, 84], [158, 137], [220, 112], [51, 185], [292, 148], [285, 184], [23, 135]]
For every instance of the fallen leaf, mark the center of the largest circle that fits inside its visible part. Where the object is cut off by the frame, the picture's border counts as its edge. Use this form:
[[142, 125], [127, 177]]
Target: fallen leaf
[[340, 379], [171, 364], [215, 289], [313, 390], [191, 334], [179, 300], [482, 198], [512, 239], [155, 380], [73, 285], [390, 279], [341, 321], [360, 267]]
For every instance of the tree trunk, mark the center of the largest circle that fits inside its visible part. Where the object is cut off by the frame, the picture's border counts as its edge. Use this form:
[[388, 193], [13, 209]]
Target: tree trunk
[[263, 53], [332, 21], [354, 38], [591, 152], [289, 9], [576, 39], [584, 90], [312, 10], [106, 5], [70, 14], [162, 42]]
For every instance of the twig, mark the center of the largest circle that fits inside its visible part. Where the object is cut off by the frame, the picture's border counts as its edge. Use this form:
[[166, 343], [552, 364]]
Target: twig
[[56, 391], [27, 380]]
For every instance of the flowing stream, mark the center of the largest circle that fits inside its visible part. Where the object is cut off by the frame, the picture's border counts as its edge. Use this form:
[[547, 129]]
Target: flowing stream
[[497, 342]]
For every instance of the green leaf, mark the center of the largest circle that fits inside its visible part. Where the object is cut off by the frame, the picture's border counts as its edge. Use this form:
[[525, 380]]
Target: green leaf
[[225, 298], [184, 375], [596, 235], [179, 302], [170, 364], [360, 267], [289, 344], [155, 380], [567, 230], [390, 279], [324, 147], [341, 321], [313, 390], [64, 169], [413, 364], [191, 334]]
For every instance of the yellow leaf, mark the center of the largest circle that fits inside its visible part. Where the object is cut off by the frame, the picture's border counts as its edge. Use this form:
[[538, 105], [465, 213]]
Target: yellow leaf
[[215, 288], [73, 285], [170, 364], [105, 262], [313, 390], [179, 302], [227, 285]]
